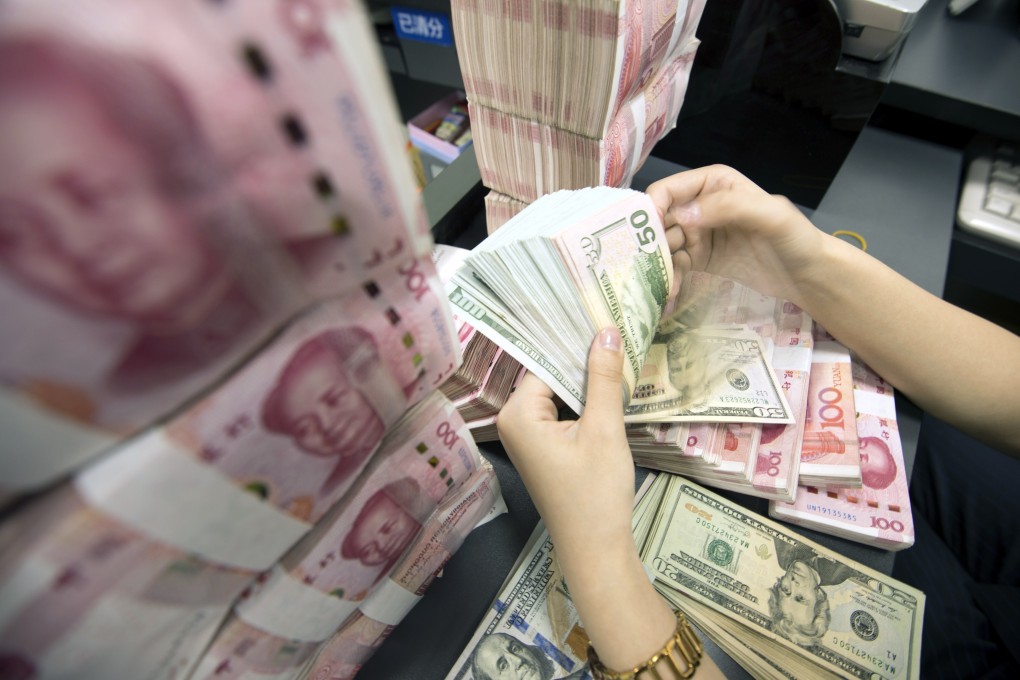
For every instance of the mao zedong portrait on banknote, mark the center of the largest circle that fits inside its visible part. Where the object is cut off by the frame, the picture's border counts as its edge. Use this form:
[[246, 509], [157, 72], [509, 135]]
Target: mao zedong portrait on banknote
[[878, 467], [109, 222], [386, 525], [316, 400], [108, 196]]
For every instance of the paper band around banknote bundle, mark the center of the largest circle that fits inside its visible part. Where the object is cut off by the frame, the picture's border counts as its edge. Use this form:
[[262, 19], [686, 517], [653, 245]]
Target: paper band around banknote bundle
[[285, 607], [42, 445], [875, 404], [168, 494], [389, 603]]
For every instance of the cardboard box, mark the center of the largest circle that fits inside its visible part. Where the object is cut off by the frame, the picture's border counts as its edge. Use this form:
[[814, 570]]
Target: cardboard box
[[421, 127]]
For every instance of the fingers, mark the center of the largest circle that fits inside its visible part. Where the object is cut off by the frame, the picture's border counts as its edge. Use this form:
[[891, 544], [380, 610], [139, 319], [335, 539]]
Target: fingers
[[604, 400], [719, 209], [531, 388], [683, 199], [678, 189], [674, 195], [531, 401], [675, 238]]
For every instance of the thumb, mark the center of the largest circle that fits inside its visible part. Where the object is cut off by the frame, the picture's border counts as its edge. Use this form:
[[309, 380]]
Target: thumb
[[604, 401]]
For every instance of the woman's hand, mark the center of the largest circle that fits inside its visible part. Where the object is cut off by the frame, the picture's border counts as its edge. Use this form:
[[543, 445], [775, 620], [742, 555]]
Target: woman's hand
[[719, 221], [579, 473]]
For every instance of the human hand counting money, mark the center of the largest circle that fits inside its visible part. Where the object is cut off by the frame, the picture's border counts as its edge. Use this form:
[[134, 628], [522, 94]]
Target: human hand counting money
[[719, 221], [580, 475]]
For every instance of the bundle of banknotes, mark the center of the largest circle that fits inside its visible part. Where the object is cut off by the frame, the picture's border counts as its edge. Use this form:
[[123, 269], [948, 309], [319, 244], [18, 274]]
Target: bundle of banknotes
[[730, 387], [779, 604], [171, 197], [838, 468], [541, 289], [604, 81], [333, 598], [483, 383], [577, 261], [226, 337], [524, 158], [757, 458], [500, 209], [877, 510], [599, 52]]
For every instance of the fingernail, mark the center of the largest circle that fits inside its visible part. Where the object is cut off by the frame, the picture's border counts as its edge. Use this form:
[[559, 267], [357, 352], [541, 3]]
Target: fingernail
[[609, 338], [688, 212]]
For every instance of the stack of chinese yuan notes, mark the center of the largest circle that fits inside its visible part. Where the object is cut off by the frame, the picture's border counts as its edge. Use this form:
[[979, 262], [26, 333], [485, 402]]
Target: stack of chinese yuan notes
[[874, 507], [837, 468], [565, 95], [761, 459], [223, 339]]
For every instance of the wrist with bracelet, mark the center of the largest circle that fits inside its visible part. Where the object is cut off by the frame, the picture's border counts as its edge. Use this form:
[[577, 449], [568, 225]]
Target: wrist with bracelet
[[684, 646]]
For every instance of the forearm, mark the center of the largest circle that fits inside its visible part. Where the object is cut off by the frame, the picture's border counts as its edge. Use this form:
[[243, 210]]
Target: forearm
[[623, 615], [953, 364]]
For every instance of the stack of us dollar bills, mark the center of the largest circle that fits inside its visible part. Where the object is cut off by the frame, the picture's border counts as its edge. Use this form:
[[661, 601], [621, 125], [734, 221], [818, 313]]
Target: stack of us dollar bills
[[780, 604], [577, 261], [777, 603]]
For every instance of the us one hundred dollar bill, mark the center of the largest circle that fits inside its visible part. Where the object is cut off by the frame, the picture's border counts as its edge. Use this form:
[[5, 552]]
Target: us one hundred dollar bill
[[533, 619]]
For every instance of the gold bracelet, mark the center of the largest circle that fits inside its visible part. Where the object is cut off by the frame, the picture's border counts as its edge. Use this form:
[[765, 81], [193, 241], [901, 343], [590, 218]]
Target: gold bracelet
[[684, 642]]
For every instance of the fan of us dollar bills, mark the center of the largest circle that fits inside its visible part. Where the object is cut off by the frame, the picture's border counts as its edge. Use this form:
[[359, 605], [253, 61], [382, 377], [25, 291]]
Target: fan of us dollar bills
[[779, 604], [576, 261]]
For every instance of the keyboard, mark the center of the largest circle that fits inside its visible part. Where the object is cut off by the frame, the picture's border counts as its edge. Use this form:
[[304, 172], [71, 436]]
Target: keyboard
[[990, 199]]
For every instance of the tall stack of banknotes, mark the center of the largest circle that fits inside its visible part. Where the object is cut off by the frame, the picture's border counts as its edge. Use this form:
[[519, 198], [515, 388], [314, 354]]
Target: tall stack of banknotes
[[488, 375], [224, 448], [607, 84], [777, 603], [565, 95], [733, 388]]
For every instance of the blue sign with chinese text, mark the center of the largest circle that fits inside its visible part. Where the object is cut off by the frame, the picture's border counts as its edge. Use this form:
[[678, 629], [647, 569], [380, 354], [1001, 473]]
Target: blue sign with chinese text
[[423, 26]]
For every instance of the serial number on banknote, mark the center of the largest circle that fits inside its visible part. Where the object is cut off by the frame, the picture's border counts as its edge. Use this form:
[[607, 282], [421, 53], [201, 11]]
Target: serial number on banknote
[[854, 650], [744, 400], [739, 539], [839, 514]]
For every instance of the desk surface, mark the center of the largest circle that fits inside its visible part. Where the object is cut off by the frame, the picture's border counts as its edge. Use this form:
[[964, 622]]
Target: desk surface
[[907, 224], [963, 69]]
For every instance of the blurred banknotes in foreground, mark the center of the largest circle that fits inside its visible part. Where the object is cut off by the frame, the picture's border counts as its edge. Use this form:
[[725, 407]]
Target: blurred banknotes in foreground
[[171, 194]]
